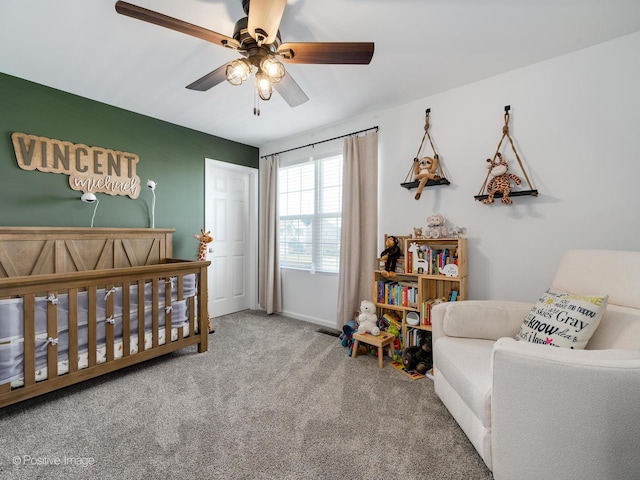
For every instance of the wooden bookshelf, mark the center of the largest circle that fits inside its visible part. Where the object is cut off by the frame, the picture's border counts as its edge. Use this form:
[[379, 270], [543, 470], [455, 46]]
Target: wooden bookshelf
[[421, 283]]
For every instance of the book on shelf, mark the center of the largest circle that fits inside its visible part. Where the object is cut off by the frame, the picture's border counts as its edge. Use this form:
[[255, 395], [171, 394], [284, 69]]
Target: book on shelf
[[392, 318], [413, 337], [426, 311], [402, 294]]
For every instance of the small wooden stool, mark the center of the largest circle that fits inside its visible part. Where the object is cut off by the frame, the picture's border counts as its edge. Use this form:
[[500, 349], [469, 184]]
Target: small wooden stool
[[379, 341]]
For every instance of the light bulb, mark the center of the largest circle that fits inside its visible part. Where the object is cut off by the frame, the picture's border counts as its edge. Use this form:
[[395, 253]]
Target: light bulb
[[237, 71], [273, 68], [263, 86]]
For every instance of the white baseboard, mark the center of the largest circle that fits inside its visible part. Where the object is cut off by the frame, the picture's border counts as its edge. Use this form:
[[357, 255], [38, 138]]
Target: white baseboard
[[305, 318]]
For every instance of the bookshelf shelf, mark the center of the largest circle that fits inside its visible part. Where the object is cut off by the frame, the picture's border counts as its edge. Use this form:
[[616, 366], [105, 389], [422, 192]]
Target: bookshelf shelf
[[419, 286]]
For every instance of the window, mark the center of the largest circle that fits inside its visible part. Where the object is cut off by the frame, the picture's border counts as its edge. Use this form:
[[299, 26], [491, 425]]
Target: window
[[310, 205]]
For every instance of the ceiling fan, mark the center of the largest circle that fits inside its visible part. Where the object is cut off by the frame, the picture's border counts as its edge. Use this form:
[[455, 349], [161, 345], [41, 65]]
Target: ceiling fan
[[256, 37]]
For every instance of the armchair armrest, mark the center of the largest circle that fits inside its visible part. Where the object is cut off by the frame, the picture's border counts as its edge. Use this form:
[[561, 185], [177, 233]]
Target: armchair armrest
[[484, 319], [562, 413]]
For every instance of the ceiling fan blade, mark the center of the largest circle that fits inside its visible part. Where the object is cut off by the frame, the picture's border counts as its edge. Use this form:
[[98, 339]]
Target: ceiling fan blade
[[264, 19], [290, 91], [210, 80], [346, 53], [156, 18]]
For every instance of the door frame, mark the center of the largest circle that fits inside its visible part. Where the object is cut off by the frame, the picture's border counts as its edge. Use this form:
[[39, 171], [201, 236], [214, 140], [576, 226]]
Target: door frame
[[209, 165]]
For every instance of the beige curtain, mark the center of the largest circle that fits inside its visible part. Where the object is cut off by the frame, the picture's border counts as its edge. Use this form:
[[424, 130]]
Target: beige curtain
[[269, 282], [359, 226]]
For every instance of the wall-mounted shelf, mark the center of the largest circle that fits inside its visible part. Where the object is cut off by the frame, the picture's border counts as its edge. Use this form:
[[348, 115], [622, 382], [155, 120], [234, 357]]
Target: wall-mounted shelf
[[430, 183], [521, 193]]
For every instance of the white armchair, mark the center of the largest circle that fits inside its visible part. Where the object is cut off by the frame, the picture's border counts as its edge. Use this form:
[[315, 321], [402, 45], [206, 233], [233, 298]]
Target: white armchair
[[539, 412]]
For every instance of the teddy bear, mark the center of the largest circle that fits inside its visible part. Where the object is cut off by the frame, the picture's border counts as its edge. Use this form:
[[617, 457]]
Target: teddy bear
[[424, 170], [390, 256], [417, 232], [419, 357], [436, 226], [367, 319]]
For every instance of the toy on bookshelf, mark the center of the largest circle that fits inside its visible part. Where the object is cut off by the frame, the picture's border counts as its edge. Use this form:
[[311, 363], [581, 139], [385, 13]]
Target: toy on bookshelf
[[390, 256], [457, 232], [428, 259], [436, 226], [450, 270], [417, 232]]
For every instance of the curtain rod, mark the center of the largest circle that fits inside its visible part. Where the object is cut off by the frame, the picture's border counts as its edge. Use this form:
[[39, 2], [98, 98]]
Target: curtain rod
[[322, 141]]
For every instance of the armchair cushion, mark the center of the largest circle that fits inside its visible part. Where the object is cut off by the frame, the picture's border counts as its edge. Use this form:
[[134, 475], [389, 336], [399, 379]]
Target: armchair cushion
[[562, 319], [483, 319]]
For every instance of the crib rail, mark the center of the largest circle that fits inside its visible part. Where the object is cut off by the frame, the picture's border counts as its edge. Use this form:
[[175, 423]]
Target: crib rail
[[105, 315]]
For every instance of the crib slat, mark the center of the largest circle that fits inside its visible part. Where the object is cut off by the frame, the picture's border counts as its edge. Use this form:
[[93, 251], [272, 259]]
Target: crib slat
[[108, 326], [141, 315], [52, 332], [192, 319], [167, 311], [92, 326], [154, 312], [126, 318], [203, 312], [29, 305], [180, 287], [180, 296], [73, 330]]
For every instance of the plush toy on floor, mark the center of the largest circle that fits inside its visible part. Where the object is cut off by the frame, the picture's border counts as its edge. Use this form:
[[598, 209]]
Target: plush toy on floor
[[346, 338], [368, 321], [419, 357], [205, 238]]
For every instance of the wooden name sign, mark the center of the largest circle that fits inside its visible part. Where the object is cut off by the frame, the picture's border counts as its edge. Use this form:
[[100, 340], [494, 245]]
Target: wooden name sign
[[90, 169]]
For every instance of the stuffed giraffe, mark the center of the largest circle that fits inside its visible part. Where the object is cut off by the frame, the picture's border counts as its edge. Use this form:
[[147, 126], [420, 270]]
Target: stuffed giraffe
[[205, 238]]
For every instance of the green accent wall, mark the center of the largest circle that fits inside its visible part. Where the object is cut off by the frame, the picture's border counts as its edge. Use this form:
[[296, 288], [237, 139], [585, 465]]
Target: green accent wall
[[171, 155]]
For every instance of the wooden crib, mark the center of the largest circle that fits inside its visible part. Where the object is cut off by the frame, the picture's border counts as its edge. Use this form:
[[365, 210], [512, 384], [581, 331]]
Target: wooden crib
[[76, 303]]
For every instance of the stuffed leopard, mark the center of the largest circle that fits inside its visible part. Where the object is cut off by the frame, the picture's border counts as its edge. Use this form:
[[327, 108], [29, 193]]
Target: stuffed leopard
[[500, 181]]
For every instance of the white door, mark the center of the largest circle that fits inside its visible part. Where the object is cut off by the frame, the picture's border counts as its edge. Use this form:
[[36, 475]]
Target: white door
[[231, 216]]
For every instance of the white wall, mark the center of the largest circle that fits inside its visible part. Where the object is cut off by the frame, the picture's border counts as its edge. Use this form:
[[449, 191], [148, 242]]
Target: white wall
[[576, 124]]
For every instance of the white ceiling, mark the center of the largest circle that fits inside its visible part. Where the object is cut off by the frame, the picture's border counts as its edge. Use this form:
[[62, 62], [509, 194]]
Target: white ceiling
[[422, 47]]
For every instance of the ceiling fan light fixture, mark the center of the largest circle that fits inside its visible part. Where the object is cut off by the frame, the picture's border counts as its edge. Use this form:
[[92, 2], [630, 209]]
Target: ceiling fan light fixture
[[264, 86], [238, 71], [273, 68]]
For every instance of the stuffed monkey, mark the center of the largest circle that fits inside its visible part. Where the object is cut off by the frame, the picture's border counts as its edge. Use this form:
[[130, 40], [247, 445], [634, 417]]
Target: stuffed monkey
[[390, 256], [424, 170]]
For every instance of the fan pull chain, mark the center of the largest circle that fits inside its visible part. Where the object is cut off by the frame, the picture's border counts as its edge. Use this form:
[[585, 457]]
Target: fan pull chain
[[256, 104]]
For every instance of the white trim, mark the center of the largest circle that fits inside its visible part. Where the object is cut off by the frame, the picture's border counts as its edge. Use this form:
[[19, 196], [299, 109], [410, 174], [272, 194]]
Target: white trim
[[305, 318], [253, 220]]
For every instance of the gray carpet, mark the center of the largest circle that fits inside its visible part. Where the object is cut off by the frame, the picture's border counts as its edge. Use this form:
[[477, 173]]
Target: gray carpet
[[273, 398]]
